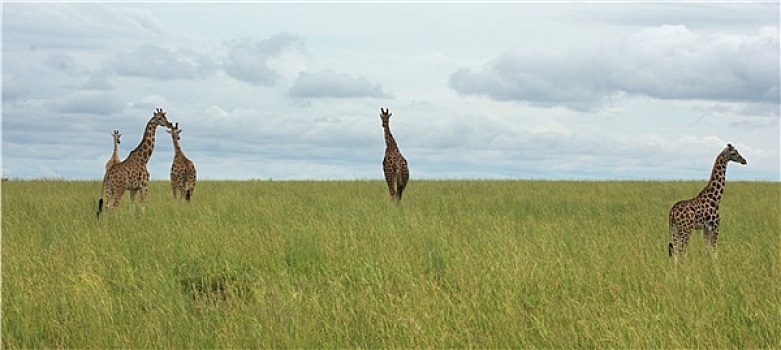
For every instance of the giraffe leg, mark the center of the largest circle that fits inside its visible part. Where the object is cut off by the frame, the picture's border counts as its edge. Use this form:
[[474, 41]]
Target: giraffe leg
[[391, 186], [133, 193], [706, 239], [678, 246], [712, 237], [107, 195], [672, 247], [116, 198], [399, 190], [403, 178], [714, 234], [390, 172], [684, 240], [143, 198]]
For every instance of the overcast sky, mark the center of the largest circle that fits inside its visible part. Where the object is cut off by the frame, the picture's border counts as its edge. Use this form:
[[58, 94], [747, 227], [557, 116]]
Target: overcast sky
[[293, 91]]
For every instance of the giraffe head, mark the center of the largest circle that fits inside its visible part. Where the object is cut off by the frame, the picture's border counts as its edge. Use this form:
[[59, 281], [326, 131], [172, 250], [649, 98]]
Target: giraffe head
[[160, 118], [174, 130], [731, 154], [385, 116], [116, 136]]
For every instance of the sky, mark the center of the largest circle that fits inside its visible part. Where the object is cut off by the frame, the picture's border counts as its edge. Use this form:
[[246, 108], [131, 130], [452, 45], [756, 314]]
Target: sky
[[586, 91]]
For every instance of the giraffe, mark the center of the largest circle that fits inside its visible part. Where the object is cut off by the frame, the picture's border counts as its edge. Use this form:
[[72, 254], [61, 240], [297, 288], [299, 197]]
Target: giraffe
[[182, 169], [393, 164], [131, 174], [701, 212], [115, 156]]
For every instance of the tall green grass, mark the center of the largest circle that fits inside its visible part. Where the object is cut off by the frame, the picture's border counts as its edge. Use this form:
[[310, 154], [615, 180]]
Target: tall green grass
[[334, 264]]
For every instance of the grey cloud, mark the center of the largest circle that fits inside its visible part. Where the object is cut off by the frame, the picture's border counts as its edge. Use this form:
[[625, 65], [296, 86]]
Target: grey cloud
[[152, 61], [63, 63], [328, 83], [89, 103], [248, 59], [668, 62], [97, 81], [545, 81]]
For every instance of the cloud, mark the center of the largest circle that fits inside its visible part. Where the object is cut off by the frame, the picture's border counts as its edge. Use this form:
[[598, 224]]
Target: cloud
[[248, 60], [328, 83], [152, 61], [97, 81], [545, 80], [667, 62], [88, 102], [64, 63], [78, 26], [671, 62]]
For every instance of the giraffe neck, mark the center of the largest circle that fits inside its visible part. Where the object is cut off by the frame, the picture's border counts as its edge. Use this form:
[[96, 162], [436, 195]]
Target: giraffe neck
[[390, 142], [115, 155], [143, 151], [177, 149], [715, 187]]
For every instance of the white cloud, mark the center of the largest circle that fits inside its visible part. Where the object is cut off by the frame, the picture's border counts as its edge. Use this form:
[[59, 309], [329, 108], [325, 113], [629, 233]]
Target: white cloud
[[327, 83], [215, 112], [149, 103], [667, 62], [153, 61], [672, 62]]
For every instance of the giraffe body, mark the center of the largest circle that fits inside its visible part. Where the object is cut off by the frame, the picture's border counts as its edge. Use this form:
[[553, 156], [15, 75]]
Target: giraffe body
[[702, 211], [114, 156], [394, 164], [131, 174], [183, 174]]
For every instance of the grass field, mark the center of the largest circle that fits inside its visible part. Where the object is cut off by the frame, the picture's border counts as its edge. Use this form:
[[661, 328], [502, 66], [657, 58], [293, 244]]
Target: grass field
[[483, 264]]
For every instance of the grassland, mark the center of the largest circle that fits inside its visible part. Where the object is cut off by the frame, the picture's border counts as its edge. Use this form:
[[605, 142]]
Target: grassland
[[482, 264]]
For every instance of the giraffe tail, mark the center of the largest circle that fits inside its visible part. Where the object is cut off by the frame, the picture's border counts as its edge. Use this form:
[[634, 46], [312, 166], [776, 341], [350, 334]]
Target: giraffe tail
[[187, 182], [670, 249], [100, 207]]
